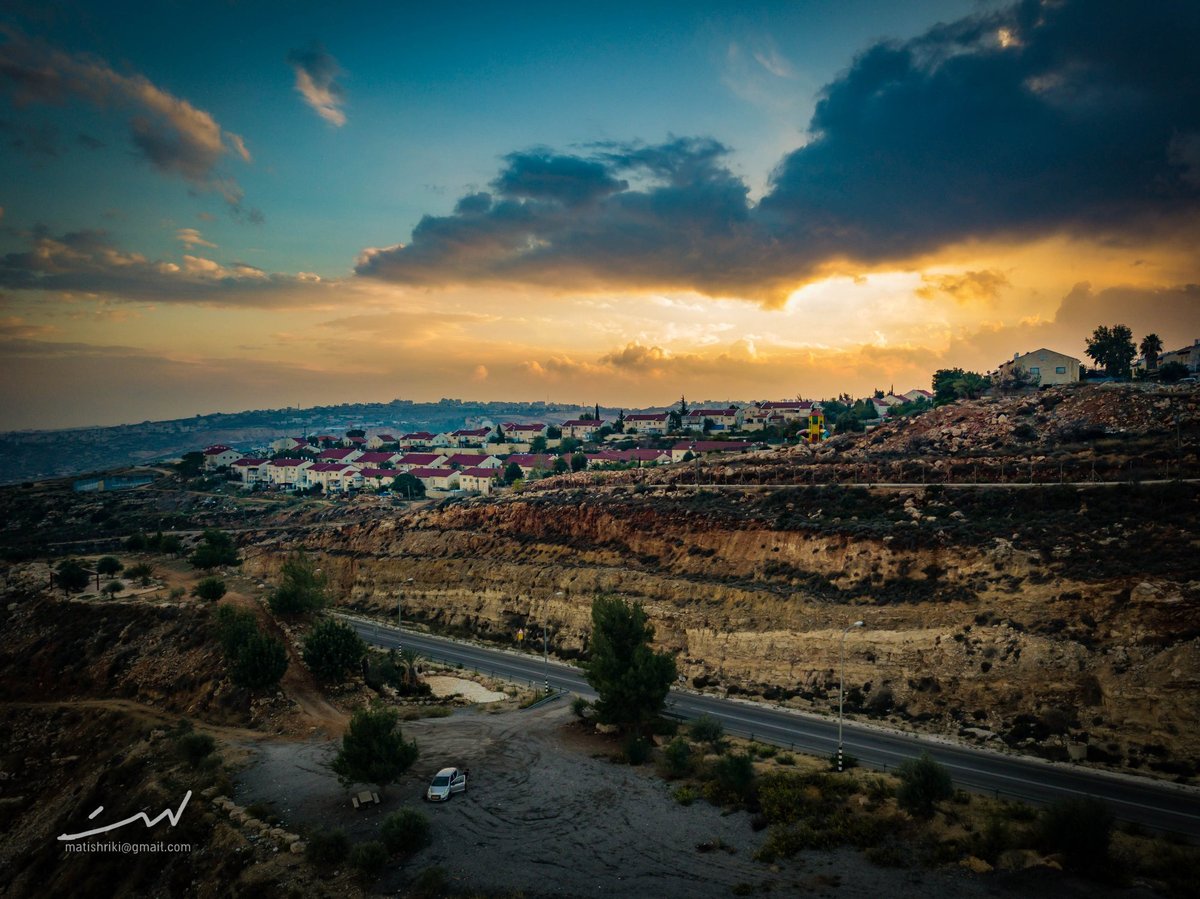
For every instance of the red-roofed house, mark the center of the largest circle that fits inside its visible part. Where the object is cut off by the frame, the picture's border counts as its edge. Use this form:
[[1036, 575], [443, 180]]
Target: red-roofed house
[[288, 444], [646, 423], [436, 478], [918, 394], [354, 442], [625, 457], [219, 455], [472, 460], [334, 477], [375, 460], [582, 429], [251, 471], [774, 414], [722, 419], [375, 478], [416, 438], [421, 460], [705, 447], [338, 455], [481, 480], [288, 473], [375, 441], [523, 433], [527, 462], [470, 436]]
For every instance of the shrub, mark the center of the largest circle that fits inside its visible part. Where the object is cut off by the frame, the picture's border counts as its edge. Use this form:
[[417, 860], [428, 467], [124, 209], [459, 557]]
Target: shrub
[[301, 589], [732, 779], [369, 859], [406, 831], [112, 588], [109, 566], [685, 795], [848, 761], [923, 784], [327, 848], [140, 572], [707, 729], [209, 588], [261, 662], [332, 650], [195, 747], [71, 576], [677, 757], [579, 706], [216, 548], [1078, 828], [636, 749], [234, 627], [432, 883], [785, 758]]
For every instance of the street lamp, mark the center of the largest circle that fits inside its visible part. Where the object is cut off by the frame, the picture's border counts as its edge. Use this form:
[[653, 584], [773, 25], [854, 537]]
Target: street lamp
[[842, 690], [545, 646]]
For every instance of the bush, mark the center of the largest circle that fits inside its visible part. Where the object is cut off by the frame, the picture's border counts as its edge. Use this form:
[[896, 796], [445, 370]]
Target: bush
[[579, 706], [234, 627], [923, 784], [732, 779], [785, 758], [369, 859], [848, 761], [71, 576], [109, 566], [327, 848], [196, 747], [707, 729], [140, 572], [637, 749], [112, 588], [301, 589], [406, 831], [1078, 828], [677, 758], [685, 795], [209, 588], [216, 548], [432, 883], [261, 662]]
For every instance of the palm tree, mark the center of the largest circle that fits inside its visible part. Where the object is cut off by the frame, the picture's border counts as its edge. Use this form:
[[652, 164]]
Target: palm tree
[[1151, 346], [409, 663]]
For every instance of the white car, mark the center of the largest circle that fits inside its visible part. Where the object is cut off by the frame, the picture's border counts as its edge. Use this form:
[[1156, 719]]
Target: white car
[[446, 782]]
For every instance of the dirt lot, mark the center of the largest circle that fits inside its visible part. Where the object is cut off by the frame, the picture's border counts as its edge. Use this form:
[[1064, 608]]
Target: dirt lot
[[544, 816]]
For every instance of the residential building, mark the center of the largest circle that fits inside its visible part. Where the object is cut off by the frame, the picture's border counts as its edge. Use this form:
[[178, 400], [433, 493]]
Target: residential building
[[472, 460], [582, 429], [220, 456], [334, 477], [480, 480], [421, 460], [374, 460], [288, 473], [722, 419], [647, 423], [436, 478], [528, 462], [288, 444], [470, 436], [1046, 366], [515, 432], [251, 471], [416, 438], [1188, 355], [375, 478], [916, 395], [375, 441], [338, 455]]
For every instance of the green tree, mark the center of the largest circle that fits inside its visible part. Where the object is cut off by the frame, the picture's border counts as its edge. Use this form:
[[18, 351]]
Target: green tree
[[140, 572], [1112, 348], [369, 859], [631, 679], [109, 566], [707, 729], [71, 576], [191, 464], [332, 650], [512, 473], [406, 831], [234, 628], [560, 466], [553, 432], [216, 548], [923, 784], [195, 748], [537, 444], [404, 484], [301, 589], [260, 663], [327, 848], [112, 588], [373, 750], [578, 462], [172, 545], [1172, 372], [1151, 346], [210, 588]]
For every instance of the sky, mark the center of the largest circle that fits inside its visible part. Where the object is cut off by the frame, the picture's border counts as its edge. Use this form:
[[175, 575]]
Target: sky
[[224, 206]]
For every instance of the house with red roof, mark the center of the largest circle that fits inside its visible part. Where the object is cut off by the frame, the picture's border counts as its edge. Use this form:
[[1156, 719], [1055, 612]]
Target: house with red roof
[[582, 428], [416, 438], [472, 460], [469, 436], [646, 423], [377, 478], [707, 447], [334, 477], [375, 460], [251, 470], [338, 455], [375, 441], [523, 433], [219, 456], [436, 478], [918, 394], [288, 473], [529, 462], [288, 444], [726, 419], [421, 460], [479, 480]]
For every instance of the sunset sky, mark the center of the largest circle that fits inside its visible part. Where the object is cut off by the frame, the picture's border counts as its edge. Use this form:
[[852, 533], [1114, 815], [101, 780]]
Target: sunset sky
[[221, 206]]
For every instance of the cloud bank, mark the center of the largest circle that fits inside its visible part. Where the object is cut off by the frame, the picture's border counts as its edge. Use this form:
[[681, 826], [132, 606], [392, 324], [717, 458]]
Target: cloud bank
[[1072, 117], [316, 72]]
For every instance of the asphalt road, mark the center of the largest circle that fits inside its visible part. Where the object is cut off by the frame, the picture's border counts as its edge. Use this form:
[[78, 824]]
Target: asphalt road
[[1154, 804]]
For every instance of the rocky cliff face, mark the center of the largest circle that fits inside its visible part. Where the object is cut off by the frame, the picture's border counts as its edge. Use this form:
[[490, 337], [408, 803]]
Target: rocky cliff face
[[1044, 620]]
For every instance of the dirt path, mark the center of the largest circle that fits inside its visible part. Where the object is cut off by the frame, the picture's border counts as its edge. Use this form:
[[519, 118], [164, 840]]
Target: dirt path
[[149, 714], [543, 817]]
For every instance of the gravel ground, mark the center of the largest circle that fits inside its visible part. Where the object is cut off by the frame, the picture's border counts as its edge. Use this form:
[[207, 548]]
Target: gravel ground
[[543, 817]]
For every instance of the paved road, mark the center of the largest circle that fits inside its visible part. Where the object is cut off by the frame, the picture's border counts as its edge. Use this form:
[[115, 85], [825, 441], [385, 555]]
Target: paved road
[[1151, 803]]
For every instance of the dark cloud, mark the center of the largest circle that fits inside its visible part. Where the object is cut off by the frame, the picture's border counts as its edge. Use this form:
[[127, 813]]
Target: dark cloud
[[174, 136], [88, 262], [1058, 117], [316, 72]]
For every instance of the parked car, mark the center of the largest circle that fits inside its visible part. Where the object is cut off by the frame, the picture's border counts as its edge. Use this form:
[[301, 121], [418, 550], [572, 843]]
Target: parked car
[[446, 782]]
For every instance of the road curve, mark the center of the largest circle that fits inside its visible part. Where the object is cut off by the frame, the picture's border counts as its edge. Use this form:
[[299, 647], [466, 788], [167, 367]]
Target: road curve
[[1154, 804]]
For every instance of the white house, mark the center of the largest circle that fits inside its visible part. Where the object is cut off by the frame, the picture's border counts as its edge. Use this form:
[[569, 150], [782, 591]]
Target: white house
[[251, 471], [722, 419], [334, 477], [470, 436], [582, 428], [375, 441], [515, 432], [288, 444], [374, 460], [421, 460], [480, 480], [528, 462], [416, 438], [646, 422], [375, 478], [288, 473], [436, 478], [1188, 355], [472, 460], [339, 455], [918, 394], [219, 456]]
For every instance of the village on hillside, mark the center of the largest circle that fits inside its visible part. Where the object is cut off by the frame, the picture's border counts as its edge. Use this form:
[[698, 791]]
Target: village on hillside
[[490, 455]]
